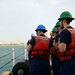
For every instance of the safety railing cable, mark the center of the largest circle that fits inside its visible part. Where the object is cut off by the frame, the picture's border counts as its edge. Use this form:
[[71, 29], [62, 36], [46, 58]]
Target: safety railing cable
[[5, 55], [11, 59], [19, 55], [6, 64]]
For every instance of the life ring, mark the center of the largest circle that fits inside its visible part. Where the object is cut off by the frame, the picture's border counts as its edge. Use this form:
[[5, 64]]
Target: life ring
[[21, 68]]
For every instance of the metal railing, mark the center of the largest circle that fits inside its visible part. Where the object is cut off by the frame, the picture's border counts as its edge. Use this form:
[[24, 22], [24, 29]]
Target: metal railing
[[13, 59]]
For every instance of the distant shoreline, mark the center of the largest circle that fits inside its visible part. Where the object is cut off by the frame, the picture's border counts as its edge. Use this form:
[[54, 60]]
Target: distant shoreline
[[10, 44]]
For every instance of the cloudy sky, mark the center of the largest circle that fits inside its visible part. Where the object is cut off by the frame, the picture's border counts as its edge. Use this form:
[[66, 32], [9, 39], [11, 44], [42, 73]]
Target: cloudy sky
[[19, 18]]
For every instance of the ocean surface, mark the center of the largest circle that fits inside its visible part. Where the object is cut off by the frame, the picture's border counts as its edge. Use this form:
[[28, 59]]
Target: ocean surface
[[6, 63]]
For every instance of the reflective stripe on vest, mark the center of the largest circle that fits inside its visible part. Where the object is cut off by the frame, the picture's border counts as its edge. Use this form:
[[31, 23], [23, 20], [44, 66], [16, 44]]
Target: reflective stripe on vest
[[41, 47]]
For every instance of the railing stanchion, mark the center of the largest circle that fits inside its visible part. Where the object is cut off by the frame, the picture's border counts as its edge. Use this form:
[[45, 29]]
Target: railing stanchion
[[13, 56], [25, 54]]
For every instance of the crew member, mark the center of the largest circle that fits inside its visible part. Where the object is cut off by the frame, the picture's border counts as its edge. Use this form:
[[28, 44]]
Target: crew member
[[40, 52], [67, 44]]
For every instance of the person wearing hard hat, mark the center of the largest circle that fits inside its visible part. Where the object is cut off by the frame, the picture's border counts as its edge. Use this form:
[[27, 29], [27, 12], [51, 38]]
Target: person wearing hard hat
[[50, 58], [50, 33], [67, 45], [52, 44], [59, 29], [40, 52], [57, 42], [32, 35], [28, 42], [54, 33]]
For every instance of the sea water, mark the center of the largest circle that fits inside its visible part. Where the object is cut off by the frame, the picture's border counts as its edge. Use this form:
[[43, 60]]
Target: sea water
[[6, 55]]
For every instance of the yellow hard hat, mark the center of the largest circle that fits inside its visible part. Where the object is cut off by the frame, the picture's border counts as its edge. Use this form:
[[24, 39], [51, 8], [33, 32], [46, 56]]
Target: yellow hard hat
[[50, 32]]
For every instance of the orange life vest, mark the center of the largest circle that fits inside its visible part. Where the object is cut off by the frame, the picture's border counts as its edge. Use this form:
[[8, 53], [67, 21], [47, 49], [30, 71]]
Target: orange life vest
[[41, 47], [54, 51], [70, 51]]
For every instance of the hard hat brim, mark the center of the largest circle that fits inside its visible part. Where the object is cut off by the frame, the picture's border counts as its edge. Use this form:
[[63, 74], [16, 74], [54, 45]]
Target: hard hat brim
[[41, 30], [66, 18], [57, 26]]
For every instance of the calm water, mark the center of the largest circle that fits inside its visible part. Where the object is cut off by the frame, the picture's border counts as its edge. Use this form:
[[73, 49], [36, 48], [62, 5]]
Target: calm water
[[19, 49]]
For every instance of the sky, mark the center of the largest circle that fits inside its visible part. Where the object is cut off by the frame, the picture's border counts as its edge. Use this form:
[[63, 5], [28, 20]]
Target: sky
[[20, 18]]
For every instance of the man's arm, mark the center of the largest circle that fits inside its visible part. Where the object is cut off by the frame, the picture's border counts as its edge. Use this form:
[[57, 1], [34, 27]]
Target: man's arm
[[62, 47], [29, 47], [31, 44]]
